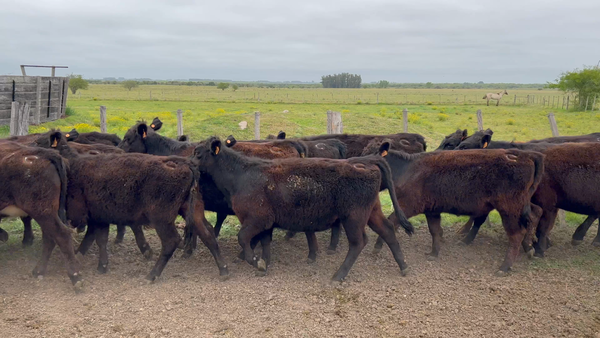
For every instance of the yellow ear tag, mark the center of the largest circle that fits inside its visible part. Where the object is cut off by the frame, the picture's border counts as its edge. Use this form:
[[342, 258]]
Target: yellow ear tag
[[217, 149], [67, 135], [302, 155], [54, 144], [144, 135], [485, 145], [228, 141], [384, 153], [152, 126]]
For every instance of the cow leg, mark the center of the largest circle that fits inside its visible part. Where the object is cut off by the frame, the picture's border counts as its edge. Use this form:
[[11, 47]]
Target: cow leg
[[466, 228], [355, 228], [120, 234], [385, 229], [141, 242], [596, 241], [313, 246], [579, 234], [81, 228], [87, 241], [535, 215], [477, 222], [265, 241], [169, 240], [27, 231], [207, 235], [102, 242], [289, 235], [253, 243], [54, 232], [3, 235], [435, 229], [335, 237], [221, 216], [543, 230], [515, 233], [245, 236]]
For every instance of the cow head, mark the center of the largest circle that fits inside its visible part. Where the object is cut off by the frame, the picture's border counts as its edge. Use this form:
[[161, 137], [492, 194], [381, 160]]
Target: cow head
[[281, 135], [230, 141], [452, 141], [156, 124], [54, 139], [479, 140], [183, 138], [206, 153], [134, 140], [374, 146], [72, 135], [384, 149]]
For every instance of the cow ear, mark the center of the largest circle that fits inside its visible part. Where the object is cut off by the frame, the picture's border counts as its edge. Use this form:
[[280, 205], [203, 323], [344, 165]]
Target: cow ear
[[156, 124], [489, 132], [485, 140], [281, 135], [182, 138], [72, 135], [384, 148], [215, 147], [55, 138], [465, 134], [230, 141], [142, 130]]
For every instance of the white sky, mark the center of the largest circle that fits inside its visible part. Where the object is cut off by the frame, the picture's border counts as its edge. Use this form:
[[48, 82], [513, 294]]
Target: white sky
[[400, 41]]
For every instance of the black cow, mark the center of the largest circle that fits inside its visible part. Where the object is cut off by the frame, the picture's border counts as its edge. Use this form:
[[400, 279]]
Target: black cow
[[452, 141], [34, 184], [356, 143], [135, 190], [269, 149], [469, 183], [302, 195]]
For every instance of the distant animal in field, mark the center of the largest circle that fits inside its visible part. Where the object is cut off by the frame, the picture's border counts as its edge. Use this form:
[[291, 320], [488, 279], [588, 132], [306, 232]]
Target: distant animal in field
[[493, 96]]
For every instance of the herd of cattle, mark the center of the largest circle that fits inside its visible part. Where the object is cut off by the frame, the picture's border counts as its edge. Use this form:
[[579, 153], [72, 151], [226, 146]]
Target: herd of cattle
[[307, 184]]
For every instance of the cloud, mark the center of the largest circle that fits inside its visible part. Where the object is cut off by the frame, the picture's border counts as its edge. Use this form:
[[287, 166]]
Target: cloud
[[402, 41]]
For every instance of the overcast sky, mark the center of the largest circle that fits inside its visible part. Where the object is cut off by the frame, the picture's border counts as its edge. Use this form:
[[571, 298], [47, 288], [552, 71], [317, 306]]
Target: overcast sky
[[400, 41]]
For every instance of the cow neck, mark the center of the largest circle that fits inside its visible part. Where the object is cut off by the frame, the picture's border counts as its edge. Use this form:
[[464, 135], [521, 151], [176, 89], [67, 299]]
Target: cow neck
[[399, 162], [230, 167], [159, 145], [68, 153]]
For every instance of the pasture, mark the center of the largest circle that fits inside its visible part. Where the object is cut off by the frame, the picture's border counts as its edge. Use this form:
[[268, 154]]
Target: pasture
[[457, 295]]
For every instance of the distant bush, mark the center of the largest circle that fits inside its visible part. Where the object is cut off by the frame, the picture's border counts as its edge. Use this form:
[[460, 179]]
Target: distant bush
[[345, 111], [429, 103], [220, 111], [434, 108], [442, 117], [69, 111], [359, 102], [511, 122], [413, 118]]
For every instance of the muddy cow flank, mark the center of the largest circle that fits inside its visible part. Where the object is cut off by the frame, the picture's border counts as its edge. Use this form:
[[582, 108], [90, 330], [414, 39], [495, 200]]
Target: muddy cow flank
[[269, 150], [470, 182], [356, 143], [302, 195]]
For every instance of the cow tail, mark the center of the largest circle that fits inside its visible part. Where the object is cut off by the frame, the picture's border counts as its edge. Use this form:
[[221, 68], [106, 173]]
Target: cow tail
[[61, 167], [191, 201], [386, 176], [526, 214]]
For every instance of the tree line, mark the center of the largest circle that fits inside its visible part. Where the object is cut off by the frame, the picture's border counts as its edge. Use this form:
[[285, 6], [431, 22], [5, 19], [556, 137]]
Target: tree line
[[343, 80]]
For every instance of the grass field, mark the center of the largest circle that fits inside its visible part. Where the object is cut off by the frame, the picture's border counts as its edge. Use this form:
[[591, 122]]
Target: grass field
[[209, 111]]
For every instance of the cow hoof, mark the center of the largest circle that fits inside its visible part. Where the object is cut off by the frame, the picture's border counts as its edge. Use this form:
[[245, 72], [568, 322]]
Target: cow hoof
[[102, 268], [37, 273], [261, 265], [148, 254], [25, 243], [432, 258], [576, 242], [80, 229], [405, 272], [596, 243], [78, 286], [4, 236], [310, 260], [223, 278], [186, 255], [331, 251], [501, 273], [376, 251], [531, 254], [118, 241], [538, 255]]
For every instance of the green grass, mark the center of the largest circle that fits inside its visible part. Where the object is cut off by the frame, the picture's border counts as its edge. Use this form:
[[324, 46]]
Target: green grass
[[209, 111]]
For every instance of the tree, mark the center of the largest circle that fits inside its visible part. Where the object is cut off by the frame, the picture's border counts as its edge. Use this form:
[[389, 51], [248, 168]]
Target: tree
[[223, 85], [234, 87], [76, 83], [585, 84], [130, 84], [428, 85], [383, 84], [343, 80]]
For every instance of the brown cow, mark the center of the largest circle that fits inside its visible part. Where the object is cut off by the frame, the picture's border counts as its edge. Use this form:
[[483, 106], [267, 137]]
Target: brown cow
[[35, 185], [269, 149], [356, 143], [569, 183], [303, 195], [469, 183], [135, 190]]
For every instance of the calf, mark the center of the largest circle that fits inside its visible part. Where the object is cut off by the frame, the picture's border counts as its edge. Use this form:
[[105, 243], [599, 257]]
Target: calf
[[135, 190], [93, 137], [570, 183], [469, 183], [302, 195], [35, 185], [356, 143], [269, 149]]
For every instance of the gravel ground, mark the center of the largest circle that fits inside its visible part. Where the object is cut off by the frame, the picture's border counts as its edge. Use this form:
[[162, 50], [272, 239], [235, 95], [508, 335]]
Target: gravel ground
[[455, 296]]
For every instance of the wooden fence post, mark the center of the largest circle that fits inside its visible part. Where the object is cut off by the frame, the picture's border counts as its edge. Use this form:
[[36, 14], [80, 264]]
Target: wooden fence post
[[479, 120], [179, 122], [377, 97], [553, 125], [515, 100], [405, 119], [38, 101], [19, 119], [527, 99], [568, 102], [594, 103], [334, 122], [257, 125], [103, 119]]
